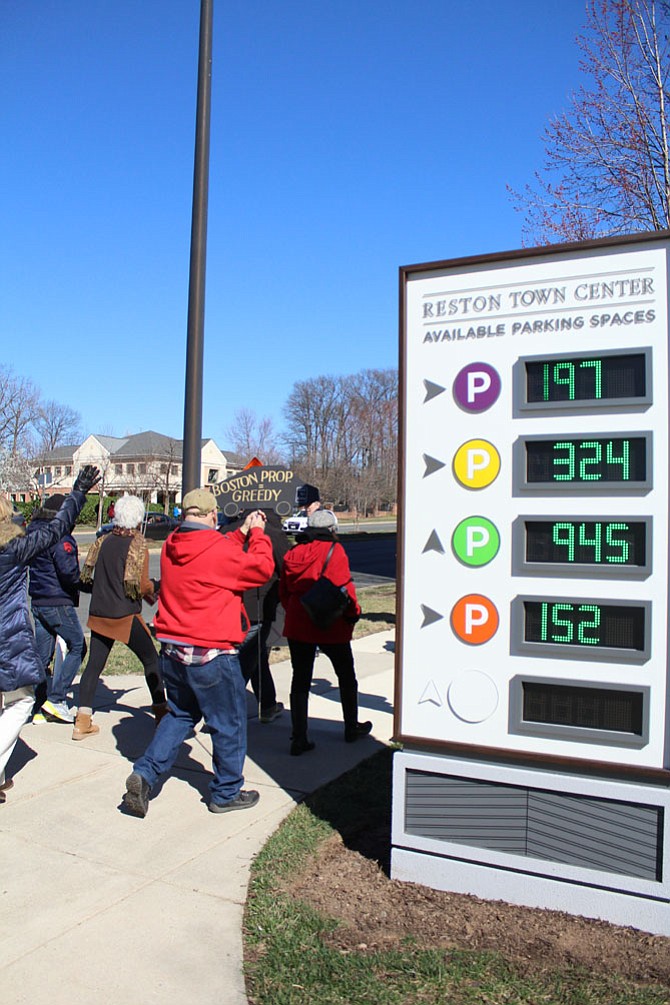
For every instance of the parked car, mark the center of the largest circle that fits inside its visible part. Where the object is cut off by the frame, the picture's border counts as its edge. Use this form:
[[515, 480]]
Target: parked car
[[297, 523], [156, 526]]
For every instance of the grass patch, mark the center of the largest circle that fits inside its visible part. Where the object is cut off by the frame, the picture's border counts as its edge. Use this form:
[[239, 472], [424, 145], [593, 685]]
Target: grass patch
[[290, 959]]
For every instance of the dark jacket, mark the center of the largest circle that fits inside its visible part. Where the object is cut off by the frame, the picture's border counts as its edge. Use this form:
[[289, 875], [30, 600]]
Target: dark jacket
[[108, 598], [54, 574], [261, 602], [20, 665], [303, 565]]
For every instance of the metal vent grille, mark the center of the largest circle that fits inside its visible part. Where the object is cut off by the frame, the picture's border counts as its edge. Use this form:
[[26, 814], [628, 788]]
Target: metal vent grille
[[608, 835]]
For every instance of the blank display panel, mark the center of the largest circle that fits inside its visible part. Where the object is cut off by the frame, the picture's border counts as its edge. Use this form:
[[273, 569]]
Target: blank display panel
[[583, 707]]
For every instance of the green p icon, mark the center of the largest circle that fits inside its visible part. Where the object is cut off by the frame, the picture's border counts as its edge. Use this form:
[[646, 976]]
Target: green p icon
[[475, 541]]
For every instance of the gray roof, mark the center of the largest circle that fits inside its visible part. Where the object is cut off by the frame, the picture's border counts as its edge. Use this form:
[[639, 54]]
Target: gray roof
[[62, 454], [149, 444], [110, 443]]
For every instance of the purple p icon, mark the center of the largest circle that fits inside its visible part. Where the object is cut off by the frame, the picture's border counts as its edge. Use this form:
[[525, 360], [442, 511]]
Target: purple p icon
[[477, 387]]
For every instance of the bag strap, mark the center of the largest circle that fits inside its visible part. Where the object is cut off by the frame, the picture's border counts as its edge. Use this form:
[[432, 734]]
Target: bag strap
[[328, 557]]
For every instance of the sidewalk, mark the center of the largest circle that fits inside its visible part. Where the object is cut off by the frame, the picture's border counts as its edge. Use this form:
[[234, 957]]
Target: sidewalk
[[134, 911]]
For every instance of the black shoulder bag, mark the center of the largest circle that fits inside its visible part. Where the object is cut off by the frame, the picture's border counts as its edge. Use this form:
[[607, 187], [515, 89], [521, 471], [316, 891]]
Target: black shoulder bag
[[325, 602]]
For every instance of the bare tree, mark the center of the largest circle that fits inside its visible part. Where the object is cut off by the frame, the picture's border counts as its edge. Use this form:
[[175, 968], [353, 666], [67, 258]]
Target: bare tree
[[15, 472], [57, 425], [607, 159], [254, 437], [19, 408], [343, 436]]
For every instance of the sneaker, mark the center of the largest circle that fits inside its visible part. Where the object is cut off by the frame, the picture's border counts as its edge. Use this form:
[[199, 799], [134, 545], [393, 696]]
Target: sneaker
[[136, 796], [242, 801], [39, 719], [271, 713], [57, 711]]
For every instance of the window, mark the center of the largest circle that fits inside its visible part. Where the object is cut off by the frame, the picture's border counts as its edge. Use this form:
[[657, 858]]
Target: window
[[130, 469], [118, 469], [57, 472], [68, 469], [163, 469], [141, 469], [212, 475]]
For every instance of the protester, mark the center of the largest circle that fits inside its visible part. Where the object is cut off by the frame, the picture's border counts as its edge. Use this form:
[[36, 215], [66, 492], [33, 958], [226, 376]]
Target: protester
[[20, 664], [117, 571], [54, 592], [201, 623], [261, 605], [303, 565]]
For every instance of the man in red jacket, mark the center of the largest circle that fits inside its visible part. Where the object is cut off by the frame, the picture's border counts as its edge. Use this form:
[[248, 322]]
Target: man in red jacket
[[200, 623]]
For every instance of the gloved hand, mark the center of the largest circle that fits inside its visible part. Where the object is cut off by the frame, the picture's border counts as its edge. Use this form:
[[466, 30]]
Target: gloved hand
[[86, 479]]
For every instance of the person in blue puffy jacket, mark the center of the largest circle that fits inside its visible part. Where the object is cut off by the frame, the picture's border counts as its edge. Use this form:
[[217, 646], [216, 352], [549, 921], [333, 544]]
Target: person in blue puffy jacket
[[20, 664], [54, 593]]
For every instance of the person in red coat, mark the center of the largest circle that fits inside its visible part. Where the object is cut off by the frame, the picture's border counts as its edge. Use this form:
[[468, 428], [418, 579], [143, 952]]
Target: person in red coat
[[303, 565]]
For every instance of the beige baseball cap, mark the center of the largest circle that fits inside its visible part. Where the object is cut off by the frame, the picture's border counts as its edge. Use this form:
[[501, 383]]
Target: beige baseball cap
[[201, 499]]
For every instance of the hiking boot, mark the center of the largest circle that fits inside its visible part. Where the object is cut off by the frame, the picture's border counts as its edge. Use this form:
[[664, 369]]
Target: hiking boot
[[136, 796], [57, 711], [83, 727], [357, 731], [244, 800], [271, 713]]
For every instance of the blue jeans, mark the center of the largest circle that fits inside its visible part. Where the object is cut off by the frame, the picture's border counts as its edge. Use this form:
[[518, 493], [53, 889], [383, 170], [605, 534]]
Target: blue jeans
[[216, 692], [63, 621]]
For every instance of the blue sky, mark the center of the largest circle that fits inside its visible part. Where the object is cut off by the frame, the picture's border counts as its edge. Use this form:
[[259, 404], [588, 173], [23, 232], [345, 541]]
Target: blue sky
[[348, 138]]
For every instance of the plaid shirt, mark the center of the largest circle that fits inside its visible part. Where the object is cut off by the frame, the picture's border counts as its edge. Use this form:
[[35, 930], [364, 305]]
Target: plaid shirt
[[194, 655]]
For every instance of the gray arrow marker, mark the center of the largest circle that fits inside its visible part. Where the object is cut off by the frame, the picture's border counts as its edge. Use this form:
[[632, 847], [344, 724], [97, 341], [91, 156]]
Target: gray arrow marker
[[432, 465], [430, 616], [432, 390], [431, 694], [433, 544]]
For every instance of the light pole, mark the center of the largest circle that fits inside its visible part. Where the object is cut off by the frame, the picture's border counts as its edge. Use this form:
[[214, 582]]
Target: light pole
[[196, 292]]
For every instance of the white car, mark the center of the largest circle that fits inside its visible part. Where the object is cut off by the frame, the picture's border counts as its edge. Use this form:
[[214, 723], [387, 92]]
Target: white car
[[297, 523]]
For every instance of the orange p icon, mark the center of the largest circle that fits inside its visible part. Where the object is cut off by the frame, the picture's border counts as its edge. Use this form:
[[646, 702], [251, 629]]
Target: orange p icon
[[474, 619]]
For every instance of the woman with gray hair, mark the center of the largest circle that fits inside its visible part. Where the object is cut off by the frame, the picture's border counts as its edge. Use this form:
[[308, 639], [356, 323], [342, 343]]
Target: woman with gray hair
[[117, 572]]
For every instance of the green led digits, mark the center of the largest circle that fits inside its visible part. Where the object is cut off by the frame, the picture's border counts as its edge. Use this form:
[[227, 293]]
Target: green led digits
[[586, 542], [591, 542], [565, 381], [613, 542], [569, 624], [563, 374], [623, 460], [591, 460], [563, 536]]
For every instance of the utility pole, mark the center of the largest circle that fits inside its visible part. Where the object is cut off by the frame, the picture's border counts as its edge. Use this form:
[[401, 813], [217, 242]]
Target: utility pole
[[195, 336]]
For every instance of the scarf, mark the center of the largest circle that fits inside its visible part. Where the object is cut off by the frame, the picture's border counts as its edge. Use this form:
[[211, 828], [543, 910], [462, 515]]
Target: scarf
[[8, 531], [134, 561]]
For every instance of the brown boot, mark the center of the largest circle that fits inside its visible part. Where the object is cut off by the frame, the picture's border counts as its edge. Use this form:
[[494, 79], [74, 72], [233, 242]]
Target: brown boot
[[83, 727], [159, 711]]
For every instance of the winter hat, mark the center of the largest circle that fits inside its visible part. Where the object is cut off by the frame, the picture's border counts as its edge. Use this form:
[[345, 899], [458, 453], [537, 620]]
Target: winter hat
[[54, 502], [322, 519], [201, 500]]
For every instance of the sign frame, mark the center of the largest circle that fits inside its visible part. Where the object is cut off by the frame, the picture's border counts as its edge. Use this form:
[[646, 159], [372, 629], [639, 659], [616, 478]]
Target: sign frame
[[468, 267]]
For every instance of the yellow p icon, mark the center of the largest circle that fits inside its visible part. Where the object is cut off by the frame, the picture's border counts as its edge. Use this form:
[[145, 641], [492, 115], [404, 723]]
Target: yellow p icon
[[476, 464]]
